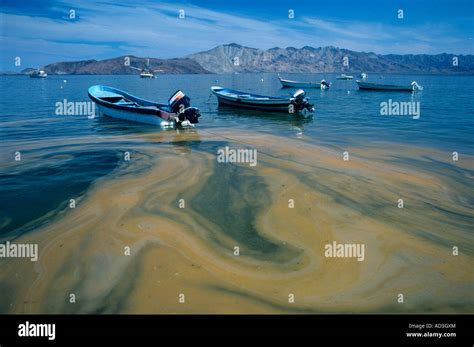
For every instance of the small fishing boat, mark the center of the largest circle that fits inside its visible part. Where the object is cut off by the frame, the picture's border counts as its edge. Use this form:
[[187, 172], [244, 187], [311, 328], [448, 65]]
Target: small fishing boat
[[296, 84], [344, 77], [297, 103], [364, 76], [147, 71], [39, 74], [116, 103], [147, 74], [363, 85]]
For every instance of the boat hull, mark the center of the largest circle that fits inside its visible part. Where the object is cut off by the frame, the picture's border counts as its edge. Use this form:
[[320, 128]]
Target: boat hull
[[295, 84], [134, 117], [344, 77], [267, 107], [383, 87]]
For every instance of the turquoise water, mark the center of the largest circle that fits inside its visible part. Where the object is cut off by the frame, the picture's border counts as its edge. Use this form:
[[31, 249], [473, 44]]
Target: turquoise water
[[71, 152]]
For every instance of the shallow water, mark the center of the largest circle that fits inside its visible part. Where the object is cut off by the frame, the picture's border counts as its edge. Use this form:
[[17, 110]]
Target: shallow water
[[190, 250]]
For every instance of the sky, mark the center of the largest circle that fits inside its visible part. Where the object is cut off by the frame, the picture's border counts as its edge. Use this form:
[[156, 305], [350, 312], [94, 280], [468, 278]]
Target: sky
[[43, 32]]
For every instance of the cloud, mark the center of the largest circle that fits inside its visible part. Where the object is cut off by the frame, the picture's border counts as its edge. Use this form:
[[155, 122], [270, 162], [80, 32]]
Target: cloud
[[106, 29], [350, 29]]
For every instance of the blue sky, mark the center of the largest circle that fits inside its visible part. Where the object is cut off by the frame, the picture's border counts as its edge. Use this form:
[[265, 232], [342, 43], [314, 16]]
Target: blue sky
[[41, 32]]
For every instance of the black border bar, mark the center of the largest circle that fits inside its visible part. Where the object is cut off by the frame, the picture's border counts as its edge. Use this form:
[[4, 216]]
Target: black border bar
[[354, 327]]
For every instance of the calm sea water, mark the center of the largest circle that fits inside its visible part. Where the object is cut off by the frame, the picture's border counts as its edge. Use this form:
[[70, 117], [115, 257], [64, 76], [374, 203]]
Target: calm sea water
[[70, 152]]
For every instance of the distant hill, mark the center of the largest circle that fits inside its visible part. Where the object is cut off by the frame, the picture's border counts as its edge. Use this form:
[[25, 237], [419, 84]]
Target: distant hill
[[116, 66], [236, 58], [28, 71]]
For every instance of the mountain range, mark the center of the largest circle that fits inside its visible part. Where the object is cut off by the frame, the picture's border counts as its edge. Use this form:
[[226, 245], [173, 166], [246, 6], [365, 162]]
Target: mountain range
[[234, 58]]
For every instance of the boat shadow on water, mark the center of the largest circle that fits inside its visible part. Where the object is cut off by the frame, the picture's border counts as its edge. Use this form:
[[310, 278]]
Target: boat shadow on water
[[184, 140], [295, 119], [106, 124]]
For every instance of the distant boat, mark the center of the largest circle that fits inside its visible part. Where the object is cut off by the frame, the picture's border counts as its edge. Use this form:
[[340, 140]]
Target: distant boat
[[295, 84], [39, 74], [390, 87], [344, 77], [147, 74], [147, 71], [116, 103], [364, 76], [297, 103]]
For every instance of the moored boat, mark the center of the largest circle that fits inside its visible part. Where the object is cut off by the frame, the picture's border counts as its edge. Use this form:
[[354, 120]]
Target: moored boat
[[116, 103], [344, 77], [297, 103], [147, 74], [147, 71], [297, 84], [39, 74], [363, 85]]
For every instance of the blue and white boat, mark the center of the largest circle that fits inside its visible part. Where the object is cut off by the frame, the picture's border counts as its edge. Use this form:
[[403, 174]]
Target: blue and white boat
[[344, 77], [116, 103], [413, 87], [297, 103], [299, 84]]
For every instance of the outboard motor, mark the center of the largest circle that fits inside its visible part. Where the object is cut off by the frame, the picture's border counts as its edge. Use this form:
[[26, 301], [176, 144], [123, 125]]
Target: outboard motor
[[324, 84], [180, 104], [301, 102], [416, 86]]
